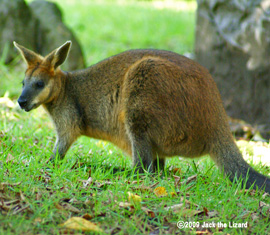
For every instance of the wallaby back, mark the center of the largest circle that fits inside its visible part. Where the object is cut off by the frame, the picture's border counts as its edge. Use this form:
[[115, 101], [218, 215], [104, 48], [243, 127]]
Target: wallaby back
[[150, 103]]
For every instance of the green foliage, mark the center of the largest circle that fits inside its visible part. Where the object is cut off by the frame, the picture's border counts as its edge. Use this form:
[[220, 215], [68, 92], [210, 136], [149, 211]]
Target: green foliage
[[107, 29]]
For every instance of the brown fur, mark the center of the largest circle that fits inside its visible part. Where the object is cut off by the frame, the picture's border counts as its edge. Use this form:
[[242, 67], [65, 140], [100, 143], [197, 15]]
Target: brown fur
[[150, 103]]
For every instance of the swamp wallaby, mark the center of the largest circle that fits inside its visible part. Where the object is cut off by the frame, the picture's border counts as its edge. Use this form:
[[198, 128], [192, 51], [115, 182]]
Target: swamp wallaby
[[151, 103]]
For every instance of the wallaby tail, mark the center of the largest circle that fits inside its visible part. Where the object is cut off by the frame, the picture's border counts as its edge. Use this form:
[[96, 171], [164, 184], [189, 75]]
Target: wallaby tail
[[231, 161]]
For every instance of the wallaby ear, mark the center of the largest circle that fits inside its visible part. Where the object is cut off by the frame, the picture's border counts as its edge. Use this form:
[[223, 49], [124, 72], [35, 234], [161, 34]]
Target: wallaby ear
[[58, 56], [29, 56]]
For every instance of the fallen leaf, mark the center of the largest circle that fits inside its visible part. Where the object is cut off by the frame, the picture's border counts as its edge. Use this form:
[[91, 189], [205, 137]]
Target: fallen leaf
[[143, 189], [79, 223], [175, 208], [176, 180], [9, 184], [187, 181], [38, 220], [185, 210], [160, 192], [189, 203], [203, 232], [22, 196], [15, 201], [21, 209], [254, 216], [190, 179], [154, 185], [75, 165], [173, 194], [87, 216], [88, 182], [245, 215], [205, 211], [190, 212], [134, 198], [148, 212], [38, 196], [103, 184], [67, 207], [265, 195], [71, 208], [134, 182], [7, 102], [116, 230], [264, 207], [212, 214], [177, 171], [262, 204], [9, 158], [125, 204]]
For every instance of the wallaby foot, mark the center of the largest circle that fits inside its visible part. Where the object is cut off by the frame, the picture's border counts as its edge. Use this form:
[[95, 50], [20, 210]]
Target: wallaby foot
[[142, 154]]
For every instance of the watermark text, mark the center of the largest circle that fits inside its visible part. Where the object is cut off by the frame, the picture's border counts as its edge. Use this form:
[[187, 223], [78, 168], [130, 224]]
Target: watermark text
[[183, 224]]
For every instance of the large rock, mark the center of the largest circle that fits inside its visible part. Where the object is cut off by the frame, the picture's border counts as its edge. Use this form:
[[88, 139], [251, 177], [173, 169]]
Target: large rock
[[52, 33], [39, 27], [16, 23], [233, 42]]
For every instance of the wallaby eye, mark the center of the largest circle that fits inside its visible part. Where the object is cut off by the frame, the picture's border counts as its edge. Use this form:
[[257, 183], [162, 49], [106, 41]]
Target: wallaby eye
[[23, 83], [40, 84]]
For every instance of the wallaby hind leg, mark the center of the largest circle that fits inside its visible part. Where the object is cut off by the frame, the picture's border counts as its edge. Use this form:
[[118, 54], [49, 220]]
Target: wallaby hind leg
[[141, 153]]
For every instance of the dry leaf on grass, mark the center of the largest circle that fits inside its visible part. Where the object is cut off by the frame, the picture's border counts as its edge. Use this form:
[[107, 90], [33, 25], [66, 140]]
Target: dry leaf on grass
[[176, 180], [9, 158], [7, 102], [190, 179], [154, 185], [203, 232], [4, 184], [160, 192], [186, 212], [134, 198], [176, 171], [264, 207], [67, 207], [103, 184], [133, 182], [190, 212], [125, 204], [87, 216], [143, 189], [22, 209], [79, 223], [212, 214], [148, 212], [38, 220], [178, 183], [87, 182]]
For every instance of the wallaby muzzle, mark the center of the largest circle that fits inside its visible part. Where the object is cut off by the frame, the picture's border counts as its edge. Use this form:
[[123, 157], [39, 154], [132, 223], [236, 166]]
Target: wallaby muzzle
[[25, 100]]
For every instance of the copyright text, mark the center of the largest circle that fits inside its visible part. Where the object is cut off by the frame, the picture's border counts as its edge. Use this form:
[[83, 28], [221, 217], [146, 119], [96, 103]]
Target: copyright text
[[182, 225]]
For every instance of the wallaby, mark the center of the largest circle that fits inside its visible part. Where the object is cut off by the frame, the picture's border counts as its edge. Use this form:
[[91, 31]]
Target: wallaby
[[150, 103]]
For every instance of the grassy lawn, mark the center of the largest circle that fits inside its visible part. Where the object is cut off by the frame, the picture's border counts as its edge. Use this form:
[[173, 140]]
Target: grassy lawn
[[95, 181]]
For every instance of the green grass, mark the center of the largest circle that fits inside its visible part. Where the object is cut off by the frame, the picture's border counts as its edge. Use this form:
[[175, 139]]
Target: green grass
[[124, 27], [36, 197]]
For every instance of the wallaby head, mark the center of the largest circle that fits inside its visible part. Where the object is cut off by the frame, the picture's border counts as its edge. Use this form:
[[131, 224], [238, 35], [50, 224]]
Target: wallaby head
[[41, 82]]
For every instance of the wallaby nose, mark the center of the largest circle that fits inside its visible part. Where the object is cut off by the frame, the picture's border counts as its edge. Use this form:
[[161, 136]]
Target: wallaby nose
[[22, 102]]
